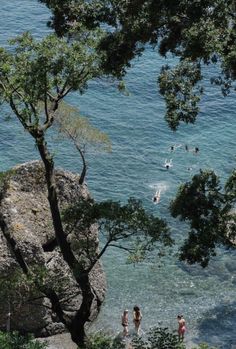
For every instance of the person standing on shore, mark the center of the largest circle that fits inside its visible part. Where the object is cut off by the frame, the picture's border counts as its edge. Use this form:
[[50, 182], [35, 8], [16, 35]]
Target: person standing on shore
[[137, 317], [125, 323], [182, 327]]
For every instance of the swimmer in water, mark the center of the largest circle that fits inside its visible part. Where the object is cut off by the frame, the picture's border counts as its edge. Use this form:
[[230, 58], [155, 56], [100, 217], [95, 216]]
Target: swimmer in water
[[157, 197], [168, 164], [176, 146]]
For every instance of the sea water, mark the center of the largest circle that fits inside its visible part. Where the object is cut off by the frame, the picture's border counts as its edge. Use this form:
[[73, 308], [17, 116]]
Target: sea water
[[141, 142]]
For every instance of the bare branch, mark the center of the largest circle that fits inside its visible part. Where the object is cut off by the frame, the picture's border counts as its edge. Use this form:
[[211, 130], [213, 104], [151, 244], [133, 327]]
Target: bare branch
[[123, 248], [98, 256], [52, 98]]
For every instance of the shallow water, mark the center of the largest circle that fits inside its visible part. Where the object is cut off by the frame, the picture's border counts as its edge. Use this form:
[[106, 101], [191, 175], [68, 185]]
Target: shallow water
[[141, 142]]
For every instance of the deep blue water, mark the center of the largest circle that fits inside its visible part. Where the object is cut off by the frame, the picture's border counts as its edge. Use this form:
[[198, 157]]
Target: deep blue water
[[141, 142]]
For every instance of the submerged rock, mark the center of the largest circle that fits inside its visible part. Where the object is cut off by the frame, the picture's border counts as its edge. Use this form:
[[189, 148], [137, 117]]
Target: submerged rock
[[25, 218]]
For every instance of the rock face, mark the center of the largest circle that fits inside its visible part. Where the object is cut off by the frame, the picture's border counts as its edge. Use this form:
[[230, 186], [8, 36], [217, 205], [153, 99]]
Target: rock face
[[26, 218]]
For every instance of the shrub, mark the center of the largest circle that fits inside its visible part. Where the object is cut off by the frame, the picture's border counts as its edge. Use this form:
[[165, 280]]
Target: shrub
[[99, 341], [158, 338], [13, 340]]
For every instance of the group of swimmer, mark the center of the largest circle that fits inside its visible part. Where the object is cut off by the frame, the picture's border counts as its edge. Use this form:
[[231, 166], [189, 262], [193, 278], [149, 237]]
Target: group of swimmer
[[176, 146], [137, 318], [168, 164]]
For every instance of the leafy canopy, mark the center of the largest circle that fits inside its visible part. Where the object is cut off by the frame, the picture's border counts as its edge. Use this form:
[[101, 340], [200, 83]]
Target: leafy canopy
[[210, 212], [79, 129], [197, 32], [128, 227], [45, 71]]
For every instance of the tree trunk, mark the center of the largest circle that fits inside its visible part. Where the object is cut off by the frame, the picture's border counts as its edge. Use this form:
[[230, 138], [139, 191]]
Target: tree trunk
[[76, 327], [53, 202], [84, 170], [77, 330]]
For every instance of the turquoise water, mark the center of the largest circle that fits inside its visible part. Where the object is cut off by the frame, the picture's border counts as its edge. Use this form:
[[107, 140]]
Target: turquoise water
[[141, 142]]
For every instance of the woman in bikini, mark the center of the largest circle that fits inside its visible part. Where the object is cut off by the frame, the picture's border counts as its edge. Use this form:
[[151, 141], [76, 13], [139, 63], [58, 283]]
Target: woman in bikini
[[125, 322], [137, 317], [182, 327]]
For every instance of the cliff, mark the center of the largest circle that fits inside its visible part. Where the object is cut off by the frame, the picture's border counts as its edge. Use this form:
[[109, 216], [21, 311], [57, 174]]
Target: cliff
[[25, 218]]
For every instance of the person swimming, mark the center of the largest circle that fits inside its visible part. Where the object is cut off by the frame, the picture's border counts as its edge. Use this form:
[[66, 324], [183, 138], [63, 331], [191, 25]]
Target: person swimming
[[168, 164], [175, 146], [157, 197]]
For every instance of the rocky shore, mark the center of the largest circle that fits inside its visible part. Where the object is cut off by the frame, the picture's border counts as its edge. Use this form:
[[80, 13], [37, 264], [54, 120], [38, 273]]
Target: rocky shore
[[59, 341], [26, 232]]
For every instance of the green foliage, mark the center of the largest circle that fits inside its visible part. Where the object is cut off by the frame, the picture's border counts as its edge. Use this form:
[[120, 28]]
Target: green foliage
[[18, 288], [14, 340], [178, 86], [197, 31], [128, 227], [99, 341], [158, 338], [230, 188], [204, 346], [13, 285], [80, 130], [210, 214], [36, 72]]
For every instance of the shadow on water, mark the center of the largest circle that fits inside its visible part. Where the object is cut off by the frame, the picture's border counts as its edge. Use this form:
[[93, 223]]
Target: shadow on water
[[218, 327]]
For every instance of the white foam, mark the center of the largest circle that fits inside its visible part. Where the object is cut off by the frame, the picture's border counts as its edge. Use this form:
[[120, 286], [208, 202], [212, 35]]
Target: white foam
[[160, 186]]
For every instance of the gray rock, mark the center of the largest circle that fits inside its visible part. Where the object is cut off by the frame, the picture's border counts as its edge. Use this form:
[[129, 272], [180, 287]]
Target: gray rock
[[59, 341], [25, 216]]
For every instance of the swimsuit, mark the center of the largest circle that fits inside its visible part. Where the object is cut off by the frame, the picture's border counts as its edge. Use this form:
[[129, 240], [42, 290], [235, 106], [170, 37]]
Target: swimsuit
[[182, 328]]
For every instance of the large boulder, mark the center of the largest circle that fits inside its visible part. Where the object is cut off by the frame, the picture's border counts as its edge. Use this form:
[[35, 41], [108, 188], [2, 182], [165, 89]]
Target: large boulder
[[25, 218]]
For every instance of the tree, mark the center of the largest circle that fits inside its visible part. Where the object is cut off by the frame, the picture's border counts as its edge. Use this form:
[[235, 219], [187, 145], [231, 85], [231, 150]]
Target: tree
[[45, 72], [197, 33], [128, 227], [82, 134], [201, 30], [36, 73], [209, 210]]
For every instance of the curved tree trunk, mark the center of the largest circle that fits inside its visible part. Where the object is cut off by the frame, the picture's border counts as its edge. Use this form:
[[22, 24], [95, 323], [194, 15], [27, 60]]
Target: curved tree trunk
[[84, 170], [76, 326], [53, 202], [77, 330]]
